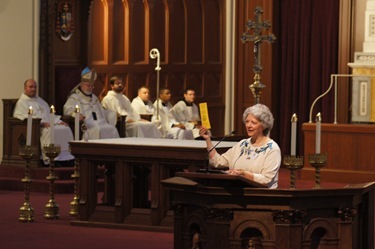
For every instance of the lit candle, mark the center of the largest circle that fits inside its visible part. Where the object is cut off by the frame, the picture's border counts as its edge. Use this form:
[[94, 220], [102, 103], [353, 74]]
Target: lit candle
[[52, 124], [318, 133], [29, 126], [293, 137], [76, 123]]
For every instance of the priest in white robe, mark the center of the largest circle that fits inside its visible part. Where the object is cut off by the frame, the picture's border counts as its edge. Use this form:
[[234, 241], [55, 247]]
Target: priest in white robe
[[62, 132], [142, 103], [186, 112], [135, 126], [171, 128], [100, 123]]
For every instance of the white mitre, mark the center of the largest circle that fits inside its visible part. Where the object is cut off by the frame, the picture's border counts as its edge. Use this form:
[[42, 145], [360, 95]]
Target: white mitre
[[88, 75]]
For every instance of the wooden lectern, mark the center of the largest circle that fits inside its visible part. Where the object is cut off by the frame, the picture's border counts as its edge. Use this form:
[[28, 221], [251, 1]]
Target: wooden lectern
[[214, 211]]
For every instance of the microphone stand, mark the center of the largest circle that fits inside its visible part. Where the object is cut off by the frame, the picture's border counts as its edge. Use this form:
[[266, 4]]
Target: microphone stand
[[207, 170]]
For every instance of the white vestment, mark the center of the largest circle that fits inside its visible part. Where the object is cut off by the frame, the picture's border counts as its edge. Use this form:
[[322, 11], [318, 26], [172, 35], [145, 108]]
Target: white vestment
[[121, 104], [187, 115], [62, 133], [100, 123], [141, 108], [167, 121]]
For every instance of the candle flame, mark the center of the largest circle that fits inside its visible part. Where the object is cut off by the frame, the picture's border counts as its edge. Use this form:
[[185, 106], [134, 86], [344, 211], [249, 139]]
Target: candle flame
[[318, 117], [52, 109], [294, 118], [77, 109], [30, 112]]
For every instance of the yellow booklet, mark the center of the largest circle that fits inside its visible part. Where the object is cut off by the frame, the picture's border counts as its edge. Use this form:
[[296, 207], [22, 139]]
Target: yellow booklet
[[204, 115]]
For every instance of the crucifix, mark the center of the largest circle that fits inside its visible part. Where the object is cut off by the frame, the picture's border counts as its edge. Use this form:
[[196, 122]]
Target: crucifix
[[257, 37]]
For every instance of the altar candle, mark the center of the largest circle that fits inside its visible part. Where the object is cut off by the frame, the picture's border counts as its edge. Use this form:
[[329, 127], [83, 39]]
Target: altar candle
[[76, 123], [293, 137], [52, 124], [29, 126], [318, 133]]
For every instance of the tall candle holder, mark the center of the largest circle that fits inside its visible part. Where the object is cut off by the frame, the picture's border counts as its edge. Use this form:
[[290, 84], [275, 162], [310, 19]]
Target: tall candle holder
[[293, 163], [318, 161], [51, 208], [27, 152], [74, 203]]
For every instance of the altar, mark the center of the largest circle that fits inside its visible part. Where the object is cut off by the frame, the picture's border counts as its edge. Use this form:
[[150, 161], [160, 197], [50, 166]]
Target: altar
[[134, 197]]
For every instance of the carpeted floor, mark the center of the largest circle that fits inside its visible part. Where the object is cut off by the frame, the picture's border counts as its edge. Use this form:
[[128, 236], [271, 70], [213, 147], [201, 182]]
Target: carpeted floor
[[45, 233]]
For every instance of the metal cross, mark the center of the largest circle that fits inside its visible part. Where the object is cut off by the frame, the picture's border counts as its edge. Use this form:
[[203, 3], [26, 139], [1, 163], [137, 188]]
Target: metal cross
[[257, 37]]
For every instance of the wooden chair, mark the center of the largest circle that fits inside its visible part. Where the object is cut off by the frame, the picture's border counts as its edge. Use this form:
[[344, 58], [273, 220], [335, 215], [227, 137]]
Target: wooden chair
[[147, 117], [14, 136], [121, 125]]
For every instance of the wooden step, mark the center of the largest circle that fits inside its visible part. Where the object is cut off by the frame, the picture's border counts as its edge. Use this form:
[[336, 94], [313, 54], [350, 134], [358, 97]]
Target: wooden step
[[10, 179]]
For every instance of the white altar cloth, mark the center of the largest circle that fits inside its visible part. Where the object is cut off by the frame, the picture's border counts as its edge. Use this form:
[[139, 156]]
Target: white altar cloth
[[161, 142]]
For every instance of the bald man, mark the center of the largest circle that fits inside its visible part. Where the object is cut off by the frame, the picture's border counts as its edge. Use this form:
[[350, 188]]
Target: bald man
[[62, 132]]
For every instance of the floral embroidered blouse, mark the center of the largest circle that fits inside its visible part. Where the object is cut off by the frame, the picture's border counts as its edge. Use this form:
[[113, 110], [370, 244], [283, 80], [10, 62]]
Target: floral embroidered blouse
[[264, 161]]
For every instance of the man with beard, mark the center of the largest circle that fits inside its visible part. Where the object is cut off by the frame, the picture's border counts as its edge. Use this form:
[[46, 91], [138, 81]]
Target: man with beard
[[100, 123], [135, 126]]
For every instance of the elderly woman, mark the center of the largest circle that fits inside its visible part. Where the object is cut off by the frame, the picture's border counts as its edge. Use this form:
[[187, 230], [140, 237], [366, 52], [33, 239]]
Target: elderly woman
[[256, 158]]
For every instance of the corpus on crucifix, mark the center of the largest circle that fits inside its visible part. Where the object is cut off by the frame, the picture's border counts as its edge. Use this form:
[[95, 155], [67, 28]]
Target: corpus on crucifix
[[257, 37]]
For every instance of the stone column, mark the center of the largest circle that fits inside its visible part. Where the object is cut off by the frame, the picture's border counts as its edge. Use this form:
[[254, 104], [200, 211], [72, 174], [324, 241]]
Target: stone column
[[363, 85]]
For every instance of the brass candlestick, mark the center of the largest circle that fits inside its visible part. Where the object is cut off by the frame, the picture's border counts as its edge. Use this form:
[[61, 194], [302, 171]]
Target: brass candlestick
[[27, 152], [85, 135], [293, 163], [74, 204], [318, 161], [52, 209]]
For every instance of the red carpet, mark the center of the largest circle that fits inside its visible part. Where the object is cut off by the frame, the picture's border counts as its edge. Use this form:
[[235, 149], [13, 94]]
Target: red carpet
[[44, 233]]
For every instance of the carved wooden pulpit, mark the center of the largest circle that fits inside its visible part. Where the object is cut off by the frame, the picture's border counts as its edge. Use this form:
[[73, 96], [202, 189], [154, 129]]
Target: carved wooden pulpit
[[212, 211]]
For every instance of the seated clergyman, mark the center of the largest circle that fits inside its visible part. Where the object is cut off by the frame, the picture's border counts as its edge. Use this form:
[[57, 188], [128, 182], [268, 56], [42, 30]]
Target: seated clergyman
[[135, 126], [62, 132], [100, 123]]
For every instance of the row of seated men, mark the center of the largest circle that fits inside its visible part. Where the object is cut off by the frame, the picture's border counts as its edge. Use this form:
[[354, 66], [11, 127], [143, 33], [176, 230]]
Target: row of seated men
[[175, 122]]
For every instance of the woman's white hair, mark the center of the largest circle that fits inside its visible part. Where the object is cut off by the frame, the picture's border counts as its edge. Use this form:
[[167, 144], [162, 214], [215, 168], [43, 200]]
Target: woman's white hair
[[263, 114]]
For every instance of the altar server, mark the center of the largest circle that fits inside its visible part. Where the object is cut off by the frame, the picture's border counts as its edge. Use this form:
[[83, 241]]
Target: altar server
[[186, 112], [142, 103], [170, 127]]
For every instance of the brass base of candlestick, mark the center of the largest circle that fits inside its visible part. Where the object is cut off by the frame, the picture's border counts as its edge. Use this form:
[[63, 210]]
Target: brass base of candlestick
[[74, 204], [317, 161], [51, 208], [26, 212], [293, 163], [257, 87]]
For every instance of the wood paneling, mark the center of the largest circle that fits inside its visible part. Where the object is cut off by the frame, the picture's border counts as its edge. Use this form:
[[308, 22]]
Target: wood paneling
[[349, 148], [188, 34]]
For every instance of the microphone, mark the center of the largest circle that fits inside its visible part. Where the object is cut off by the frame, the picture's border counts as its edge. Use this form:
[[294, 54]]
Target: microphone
[[206, 170], [221, 140]]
